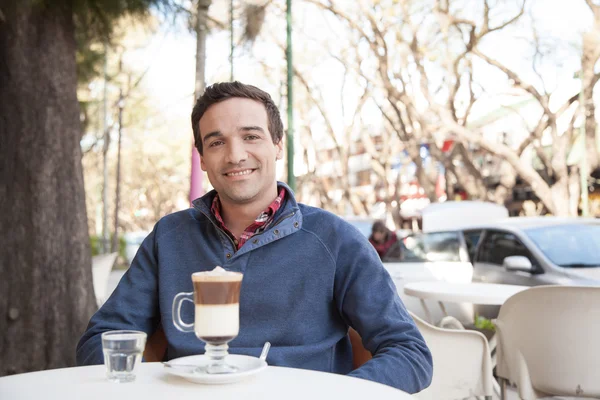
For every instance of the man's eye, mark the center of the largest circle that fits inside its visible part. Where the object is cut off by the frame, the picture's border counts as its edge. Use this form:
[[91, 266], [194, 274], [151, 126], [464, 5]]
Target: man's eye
[[252, 137], [215, 143]]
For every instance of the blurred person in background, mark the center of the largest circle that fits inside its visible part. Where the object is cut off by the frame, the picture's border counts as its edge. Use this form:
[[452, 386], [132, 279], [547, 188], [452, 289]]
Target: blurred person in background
[[385, 242]]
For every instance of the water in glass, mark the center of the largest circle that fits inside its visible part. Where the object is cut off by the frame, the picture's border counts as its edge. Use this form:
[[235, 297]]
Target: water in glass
[[122, 353]]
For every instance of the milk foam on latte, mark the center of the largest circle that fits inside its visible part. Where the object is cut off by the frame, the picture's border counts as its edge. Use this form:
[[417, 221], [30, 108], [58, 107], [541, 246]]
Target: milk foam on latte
[[217, 302]]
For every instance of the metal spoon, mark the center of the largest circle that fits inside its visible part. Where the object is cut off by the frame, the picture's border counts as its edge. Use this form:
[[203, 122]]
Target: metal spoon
[[265, 351], [166, 364]]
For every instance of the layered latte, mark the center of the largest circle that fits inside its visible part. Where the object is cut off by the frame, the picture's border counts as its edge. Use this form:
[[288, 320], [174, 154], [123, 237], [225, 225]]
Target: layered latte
[[217, 302]]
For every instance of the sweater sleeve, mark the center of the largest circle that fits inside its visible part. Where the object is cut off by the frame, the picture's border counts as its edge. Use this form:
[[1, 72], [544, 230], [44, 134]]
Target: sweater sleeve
[[367, 299], [133, 305]]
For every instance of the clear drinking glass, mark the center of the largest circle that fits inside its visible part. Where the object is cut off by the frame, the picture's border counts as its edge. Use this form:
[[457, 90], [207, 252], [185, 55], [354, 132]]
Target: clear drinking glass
[[122, 353]]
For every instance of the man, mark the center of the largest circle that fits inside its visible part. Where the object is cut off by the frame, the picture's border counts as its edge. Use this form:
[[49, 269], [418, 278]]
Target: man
[[308, 275]]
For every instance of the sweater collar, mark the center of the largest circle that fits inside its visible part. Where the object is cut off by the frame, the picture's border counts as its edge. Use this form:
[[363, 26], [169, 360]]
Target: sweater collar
[[204, 203]]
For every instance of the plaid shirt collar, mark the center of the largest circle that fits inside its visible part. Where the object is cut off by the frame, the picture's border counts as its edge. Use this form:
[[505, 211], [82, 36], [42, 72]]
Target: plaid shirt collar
[[260, 224]]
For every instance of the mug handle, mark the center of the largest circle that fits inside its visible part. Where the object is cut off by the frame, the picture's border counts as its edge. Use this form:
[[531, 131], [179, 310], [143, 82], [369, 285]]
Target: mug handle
[[177, 302]]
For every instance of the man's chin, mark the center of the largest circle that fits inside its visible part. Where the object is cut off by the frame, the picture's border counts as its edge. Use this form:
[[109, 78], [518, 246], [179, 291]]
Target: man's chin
[[242, 197]]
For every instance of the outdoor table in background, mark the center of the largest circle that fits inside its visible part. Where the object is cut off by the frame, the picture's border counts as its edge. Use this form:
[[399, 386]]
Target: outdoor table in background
[[492, 294], [154, 383]]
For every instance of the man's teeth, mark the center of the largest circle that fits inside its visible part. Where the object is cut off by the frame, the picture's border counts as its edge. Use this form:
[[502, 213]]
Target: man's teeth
[[246, 172]]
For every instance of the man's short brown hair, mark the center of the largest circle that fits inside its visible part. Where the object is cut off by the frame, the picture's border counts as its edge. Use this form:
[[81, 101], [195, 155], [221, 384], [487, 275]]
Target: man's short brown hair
[[227, 90]]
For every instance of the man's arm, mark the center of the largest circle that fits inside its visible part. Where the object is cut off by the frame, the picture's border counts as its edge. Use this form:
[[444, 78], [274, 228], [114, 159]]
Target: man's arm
[[133, 305], [368, 300]]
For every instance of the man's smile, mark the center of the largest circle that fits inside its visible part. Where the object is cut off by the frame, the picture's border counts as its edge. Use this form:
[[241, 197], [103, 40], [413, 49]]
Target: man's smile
[[240, 172]]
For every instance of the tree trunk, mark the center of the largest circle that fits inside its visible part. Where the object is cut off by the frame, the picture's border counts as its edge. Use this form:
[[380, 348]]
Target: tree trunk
[[448, 175], [504, 190], [201, 34], [591, 54], [560, 197], [574, 192], [105, 147], [201, 28], [115, 239], [47, 296]]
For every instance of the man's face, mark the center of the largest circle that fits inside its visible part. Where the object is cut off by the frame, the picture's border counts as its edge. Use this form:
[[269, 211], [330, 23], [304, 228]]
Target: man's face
[[239, 154]]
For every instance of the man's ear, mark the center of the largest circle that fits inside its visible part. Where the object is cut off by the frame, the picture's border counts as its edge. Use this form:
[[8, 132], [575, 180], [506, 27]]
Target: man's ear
[[279, 150]]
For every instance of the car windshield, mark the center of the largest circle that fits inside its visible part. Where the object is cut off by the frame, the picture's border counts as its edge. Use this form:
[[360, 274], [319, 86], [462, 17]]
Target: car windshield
[[438, 246], [569, 246]]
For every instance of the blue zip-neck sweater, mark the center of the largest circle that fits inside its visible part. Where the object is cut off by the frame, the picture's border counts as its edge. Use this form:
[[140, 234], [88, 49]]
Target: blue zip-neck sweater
[[307, 278]]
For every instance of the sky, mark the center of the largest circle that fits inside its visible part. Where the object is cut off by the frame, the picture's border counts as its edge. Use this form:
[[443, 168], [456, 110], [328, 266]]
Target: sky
[[170, 54], [171, 50]]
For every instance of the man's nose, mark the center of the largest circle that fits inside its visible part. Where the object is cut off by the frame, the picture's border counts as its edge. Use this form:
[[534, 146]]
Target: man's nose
[[236, 152]]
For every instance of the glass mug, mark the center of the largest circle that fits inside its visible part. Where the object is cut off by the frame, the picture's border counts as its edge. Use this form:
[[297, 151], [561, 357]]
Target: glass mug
[[216, 299]]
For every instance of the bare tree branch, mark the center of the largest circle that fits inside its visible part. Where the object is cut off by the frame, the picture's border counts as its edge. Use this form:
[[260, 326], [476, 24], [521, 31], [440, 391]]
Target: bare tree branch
[[340, 14], [516, 79], [487, 28], [525, 170], [412, 147], [592, 6], [567, 104], [486, 15], [537, 55], [318, 102], [471, 97], [536, 134]]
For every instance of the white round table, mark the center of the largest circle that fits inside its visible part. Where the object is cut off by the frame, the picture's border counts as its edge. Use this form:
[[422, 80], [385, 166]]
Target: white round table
[[153, 382], [493, 294]]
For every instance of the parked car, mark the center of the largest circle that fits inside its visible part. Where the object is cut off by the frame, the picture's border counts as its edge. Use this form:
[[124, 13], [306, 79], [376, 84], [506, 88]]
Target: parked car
[[432, 257], [526, 251], [437, 257], [364, 225], [436, 246], [533, 251]]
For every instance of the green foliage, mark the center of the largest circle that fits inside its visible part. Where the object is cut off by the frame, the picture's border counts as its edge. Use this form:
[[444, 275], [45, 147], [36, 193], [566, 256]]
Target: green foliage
[[484, 323], [96, 245], [95, 21], [89, 59]]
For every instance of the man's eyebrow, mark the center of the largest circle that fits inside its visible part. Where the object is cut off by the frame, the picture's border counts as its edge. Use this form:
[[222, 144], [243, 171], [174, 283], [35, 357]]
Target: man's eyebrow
[[251, 128], [211, 135]]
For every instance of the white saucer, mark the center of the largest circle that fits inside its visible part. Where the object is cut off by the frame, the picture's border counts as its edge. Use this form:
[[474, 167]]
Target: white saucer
[[247, 367]]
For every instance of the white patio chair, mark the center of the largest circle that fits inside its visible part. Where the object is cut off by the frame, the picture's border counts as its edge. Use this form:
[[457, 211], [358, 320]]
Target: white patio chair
[[101, 267], [462, 366], [548, 342]]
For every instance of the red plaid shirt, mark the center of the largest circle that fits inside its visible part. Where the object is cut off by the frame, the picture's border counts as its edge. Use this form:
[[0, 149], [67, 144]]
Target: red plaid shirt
[[260, 224]]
